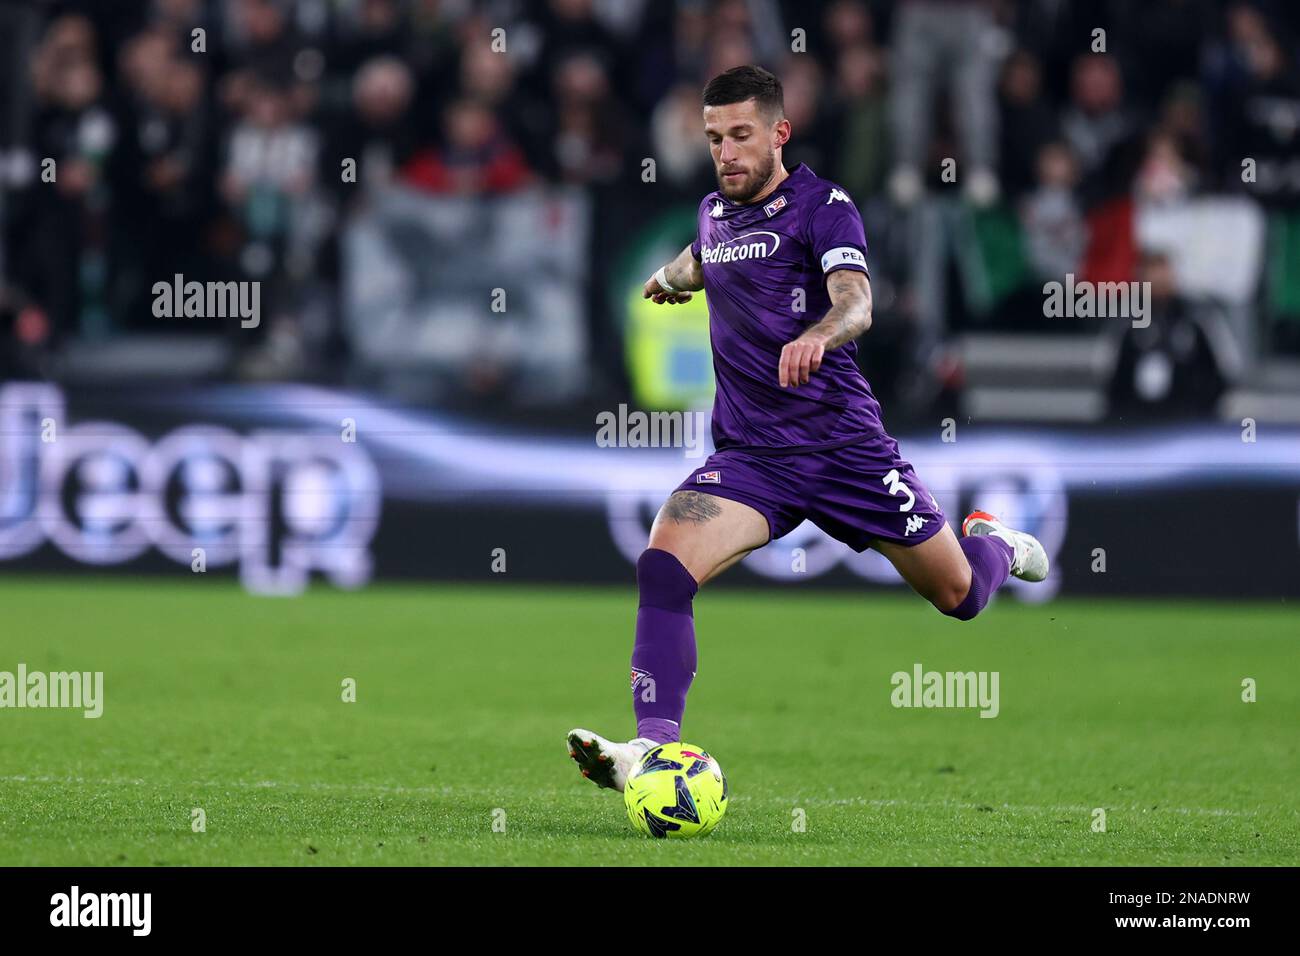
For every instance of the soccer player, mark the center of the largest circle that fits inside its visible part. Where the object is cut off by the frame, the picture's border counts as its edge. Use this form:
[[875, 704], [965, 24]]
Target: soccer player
[[796, 429]]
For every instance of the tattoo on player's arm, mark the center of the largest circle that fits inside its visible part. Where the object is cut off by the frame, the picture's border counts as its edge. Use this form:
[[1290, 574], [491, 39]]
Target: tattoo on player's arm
[[850, 312], [693, 506], [685, 272]]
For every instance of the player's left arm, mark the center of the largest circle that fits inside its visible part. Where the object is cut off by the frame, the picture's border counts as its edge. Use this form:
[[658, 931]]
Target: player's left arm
[[848, 317]]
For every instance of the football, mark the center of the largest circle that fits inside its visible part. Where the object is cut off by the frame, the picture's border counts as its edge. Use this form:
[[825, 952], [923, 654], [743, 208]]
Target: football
[[677, 790]]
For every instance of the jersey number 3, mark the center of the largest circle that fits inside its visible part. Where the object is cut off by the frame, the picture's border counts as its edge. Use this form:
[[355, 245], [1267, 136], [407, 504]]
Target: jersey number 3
[[894, 483]]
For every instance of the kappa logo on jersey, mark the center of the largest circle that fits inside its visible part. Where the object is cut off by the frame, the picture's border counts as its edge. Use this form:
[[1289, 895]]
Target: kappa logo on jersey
[[838, 194], [709, 478], [775, 206], [752, 245], [716, 211], [913, 524]]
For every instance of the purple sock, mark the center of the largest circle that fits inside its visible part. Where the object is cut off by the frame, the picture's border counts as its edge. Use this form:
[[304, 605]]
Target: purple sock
[[663, 657], [990, 565]]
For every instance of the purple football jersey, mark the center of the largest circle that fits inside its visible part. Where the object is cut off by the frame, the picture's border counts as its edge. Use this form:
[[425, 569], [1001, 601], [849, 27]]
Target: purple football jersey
[[764, 278]]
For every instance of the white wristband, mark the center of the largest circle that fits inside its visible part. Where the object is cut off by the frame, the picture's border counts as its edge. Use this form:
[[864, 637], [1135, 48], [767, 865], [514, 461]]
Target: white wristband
[[662, 279]]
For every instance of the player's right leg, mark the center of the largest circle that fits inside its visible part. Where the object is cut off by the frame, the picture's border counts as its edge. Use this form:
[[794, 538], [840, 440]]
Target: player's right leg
[[705, 533], [695, 537]]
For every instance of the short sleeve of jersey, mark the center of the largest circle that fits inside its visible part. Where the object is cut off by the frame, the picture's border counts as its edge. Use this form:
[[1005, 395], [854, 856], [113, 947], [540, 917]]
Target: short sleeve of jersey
[[835, 234], [695, 245]]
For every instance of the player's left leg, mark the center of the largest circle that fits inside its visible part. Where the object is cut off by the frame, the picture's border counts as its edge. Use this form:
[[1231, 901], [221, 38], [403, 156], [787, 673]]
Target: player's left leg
[[957, 578], [868, 500], [937, 568]]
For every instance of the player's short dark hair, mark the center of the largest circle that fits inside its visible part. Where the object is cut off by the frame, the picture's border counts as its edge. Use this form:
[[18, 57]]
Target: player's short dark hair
[[742, 83]]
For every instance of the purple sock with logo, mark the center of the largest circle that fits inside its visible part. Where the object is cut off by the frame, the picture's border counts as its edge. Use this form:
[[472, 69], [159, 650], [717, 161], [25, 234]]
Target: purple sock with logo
[[663, 657], [990, 566]]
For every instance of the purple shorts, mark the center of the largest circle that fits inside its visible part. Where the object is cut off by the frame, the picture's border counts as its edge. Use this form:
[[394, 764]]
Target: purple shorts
[[851, 494]]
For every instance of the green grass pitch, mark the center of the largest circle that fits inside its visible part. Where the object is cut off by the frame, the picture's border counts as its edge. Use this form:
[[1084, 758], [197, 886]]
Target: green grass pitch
[[233, 704]]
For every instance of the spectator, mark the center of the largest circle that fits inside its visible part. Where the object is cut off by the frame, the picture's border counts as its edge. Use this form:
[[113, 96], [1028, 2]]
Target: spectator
[[861, 107], [1261, 116], [1027, 123], [693, 38], [477, 157], [1181, 116], [161, 171], [813, 139], [1055, 234], [569, 29], [1164, 176], [1096, 119], [270, 160], [952, 42], [261, 50], [849, 26], [75, 130], [379, 132], [1166, 369], [592, 134], [679, 149], [491, 78]]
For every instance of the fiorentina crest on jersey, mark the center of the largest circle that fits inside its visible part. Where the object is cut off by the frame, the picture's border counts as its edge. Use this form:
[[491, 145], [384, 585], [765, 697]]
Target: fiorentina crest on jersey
[[709, 478], [775, 206]]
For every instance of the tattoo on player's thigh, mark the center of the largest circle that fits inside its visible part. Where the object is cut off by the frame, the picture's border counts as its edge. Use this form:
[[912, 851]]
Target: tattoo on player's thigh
[[693, 506]]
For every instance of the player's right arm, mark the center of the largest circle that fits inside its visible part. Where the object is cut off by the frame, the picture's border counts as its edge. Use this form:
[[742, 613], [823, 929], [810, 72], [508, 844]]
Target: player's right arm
[[676, 281]]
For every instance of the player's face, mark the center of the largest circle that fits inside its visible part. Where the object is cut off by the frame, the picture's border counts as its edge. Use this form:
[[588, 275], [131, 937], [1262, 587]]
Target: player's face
[[744, 144]]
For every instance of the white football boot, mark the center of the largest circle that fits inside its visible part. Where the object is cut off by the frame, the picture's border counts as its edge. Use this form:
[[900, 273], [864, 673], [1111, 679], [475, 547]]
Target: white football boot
[[604, 762], [1029, 562]]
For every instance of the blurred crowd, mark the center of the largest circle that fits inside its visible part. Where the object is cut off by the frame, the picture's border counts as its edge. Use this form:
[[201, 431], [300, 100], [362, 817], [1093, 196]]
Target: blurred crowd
[[211, 137]]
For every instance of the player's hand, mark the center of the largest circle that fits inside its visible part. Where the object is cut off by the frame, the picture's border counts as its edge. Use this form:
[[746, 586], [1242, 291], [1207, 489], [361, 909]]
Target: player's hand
[[654, 291], [799, 359]]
